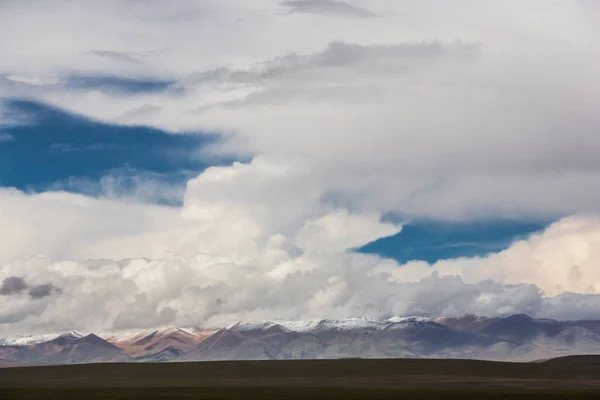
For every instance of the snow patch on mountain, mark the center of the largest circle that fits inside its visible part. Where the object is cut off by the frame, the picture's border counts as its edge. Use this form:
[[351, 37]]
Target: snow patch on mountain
[[28, 340], [324, 324], [136, 334]]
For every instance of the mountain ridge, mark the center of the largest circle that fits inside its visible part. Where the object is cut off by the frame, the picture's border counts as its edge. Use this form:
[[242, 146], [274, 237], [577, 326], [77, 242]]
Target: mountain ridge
[[513, 338]]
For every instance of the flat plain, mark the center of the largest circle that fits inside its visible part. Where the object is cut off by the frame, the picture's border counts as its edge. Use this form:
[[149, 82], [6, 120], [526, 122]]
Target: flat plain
[[576, 377]]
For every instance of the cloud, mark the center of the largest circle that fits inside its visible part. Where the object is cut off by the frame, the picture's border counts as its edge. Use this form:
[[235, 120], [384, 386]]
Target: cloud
[[12, 285], [117, 56], [340, 64], [272, 283], [44, 290], [130, 184], [140, 113], [10, 118], [33, 81], [343, 55], [328, 7], [143, 318], [289, 258], [387, 117], [559, 260], [117, 84], [339, 231], [70, 226]]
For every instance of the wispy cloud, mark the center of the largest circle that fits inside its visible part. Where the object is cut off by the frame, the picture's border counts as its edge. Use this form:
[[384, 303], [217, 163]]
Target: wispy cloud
[[340, 67], [118, 56], [328, 7]]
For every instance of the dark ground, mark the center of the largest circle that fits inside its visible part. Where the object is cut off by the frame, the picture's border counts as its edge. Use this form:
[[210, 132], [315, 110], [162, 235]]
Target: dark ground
[[566, 378]]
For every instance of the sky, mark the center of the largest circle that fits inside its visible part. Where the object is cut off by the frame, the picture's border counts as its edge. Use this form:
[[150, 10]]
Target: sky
[[204, 162]]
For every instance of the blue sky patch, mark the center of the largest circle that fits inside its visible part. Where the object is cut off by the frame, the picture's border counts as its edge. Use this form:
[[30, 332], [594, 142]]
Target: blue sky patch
[[432, 241], [58, 148]]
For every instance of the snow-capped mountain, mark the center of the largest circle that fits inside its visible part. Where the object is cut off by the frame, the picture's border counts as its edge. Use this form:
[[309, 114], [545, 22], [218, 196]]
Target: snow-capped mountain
[[160, 344], [325, 324], [66, 348], [514, 338], [34, 339], [136, 334]]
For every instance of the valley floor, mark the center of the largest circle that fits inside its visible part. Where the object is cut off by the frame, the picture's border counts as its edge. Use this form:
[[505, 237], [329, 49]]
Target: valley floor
[[565, 378]]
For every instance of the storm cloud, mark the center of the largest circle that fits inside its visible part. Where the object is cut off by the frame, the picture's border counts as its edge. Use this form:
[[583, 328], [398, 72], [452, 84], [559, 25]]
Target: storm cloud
[[44, 290], [13, 285]]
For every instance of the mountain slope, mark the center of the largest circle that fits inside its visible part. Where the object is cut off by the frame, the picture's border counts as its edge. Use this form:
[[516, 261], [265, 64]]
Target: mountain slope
[[161, 344], [88, 349]]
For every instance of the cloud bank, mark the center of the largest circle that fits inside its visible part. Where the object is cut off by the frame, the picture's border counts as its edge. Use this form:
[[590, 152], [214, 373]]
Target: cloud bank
[[221, 258]]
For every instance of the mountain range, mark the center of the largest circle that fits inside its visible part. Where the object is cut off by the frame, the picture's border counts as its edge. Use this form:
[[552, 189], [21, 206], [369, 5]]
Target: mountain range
[[514, 338]]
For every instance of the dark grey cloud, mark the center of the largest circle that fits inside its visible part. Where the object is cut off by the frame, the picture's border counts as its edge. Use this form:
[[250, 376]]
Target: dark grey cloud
[[328, 7], [15, 285], [12, 285], [44, 290]]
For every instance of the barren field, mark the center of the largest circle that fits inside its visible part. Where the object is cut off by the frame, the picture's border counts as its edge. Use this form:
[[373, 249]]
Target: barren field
[[570, 377]]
